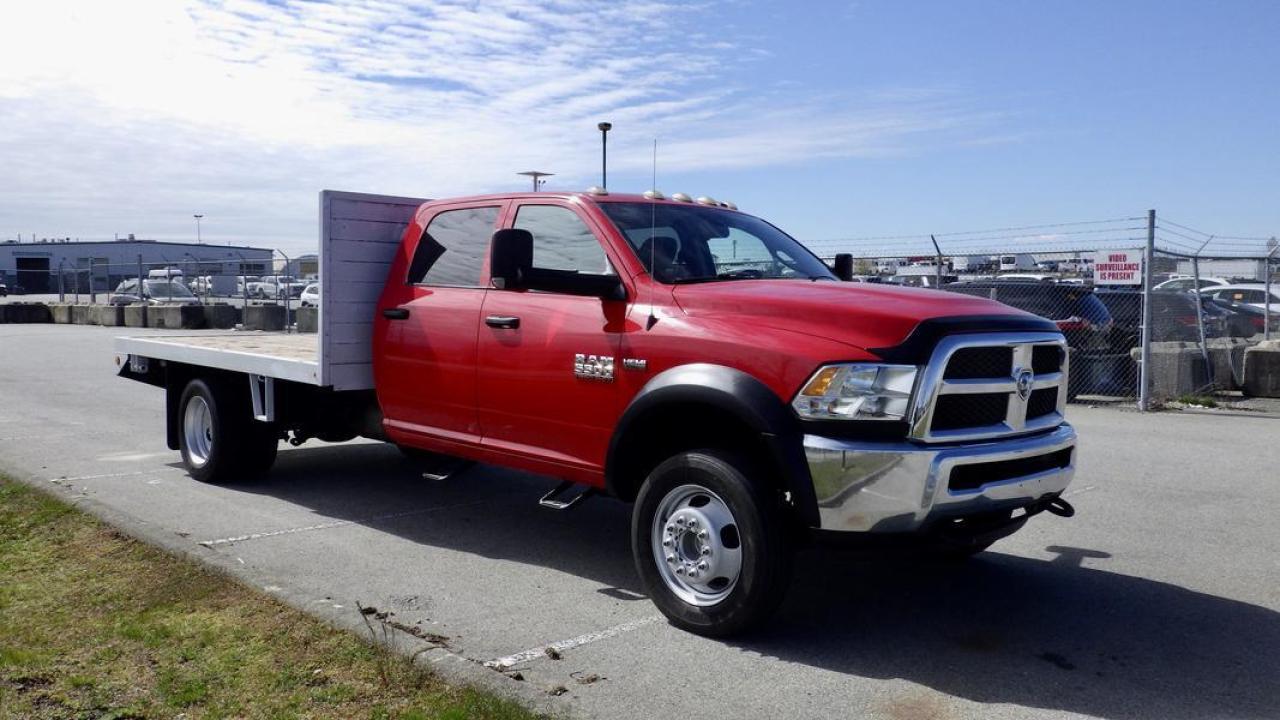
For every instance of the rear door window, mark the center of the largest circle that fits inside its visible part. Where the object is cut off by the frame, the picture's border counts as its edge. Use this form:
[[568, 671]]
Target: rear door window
[[451, 250]]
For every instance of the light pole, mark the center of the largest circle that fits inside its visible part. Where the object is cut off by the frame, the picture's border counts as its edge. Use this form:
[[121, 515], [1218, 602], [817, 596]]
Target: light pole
[[197, 217], [537, 176], [604, 129]]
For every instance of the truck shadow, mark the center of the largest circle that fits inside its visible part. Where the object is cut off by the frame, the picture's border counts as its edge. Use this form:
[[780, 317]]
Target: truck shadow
[[1048, 634]]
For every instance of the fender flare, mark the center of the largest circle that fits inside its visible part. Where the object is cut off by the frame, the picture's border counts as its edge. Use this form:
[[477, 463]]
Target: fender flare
[[738, 393]]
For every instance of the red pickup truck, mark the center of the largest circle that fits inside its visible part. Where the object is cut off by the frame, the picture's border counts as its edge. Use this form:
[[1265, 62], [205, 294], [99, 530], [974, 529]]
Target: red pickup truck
[[678, 354]]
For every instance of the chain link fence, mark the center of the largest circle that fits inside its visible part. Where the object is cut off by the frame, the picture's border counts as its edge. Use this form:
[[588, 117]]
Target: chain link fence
[[246, 280], [1122, 291]]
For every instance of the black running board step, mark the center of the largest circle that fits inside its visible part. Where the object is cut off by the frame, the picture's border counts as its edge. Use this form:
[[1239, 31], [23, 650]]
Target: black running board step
[[552, 499]]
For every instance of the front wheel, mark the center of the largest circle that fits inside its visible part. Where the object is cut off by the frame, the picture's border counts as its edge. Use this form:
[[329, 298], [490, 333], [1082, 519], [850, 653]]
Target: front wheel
[[710, 543]]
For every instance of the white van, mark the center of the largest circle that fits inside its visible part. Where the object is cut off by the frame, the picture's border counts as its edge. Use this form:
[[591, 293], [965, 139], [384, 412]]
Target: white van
[[169, 273]]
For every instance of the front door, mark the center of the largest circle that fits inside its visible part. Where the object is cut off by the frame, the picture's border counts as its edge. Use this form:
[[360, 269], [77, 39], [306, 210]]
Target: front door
[[427, 360], [546, 389]]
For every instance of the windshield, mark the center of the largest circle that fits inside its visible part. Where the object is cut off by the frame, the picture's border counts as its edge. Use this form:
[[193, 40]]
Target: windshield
[[703, 244], [160, 288]]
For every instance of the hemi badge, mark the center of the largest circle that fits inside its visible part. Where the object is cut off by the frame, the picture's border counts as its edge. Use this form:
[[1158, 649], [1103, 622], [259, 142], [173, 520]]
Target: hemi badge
[[634, 363]]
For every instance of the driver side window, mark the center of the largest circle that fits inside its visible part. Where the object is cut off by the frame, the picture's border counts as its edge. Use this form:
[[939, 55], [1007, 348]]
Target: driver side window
[[561, 240]]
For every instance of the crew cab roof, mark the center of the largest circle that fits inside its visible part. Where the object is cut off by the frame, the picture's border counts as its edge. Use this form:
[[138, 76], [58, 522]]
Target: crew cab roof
[[588, 196]]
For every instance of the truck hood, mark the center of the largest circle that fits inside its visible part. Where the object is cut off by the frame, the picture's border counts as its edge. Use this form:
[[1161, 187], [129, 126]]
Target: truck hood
[[862, 315]]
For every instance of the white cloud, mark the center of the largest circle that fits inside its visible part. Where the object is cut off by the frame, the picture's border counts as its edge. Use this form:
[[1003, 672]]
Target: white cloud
[[131, 116]]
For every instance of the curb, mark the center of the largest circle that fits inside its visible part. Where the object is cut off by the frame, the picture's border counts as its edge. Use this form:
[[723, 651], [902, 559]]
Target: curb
[[453, 668]]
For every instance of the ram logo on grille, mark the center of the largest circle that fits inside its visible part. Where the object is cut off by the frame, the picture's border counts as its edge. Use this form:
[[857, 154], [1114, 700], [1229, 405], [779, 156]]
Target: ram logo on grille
[[1026, 379]]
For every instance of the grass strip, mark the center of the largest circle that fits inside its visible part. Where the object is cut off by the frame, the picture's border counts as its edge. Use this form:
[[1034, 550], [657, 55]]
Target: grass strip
[[94, 624]]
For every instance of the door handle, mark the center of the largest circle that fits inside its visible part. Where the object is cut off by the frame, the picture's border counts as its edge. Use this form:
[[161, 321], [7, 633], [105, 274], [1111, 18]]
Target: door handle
[[396, 313], [506, 322]]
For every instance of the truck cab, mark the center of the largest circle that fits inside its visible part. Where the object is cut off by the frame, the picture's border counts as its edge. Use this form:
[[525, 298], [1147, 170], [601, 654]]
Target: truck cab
[[680, 355]]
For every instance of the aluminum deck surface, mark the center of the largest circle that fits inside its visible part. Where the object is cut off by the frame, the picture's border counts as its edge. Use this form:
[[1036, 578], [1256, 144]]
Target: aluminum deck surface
[[285, 356]]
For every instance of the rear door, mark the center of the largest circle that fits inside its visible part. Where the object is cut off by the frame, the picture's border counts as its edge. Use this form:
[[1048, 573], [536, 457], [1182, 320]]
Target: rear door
[[546, 390], [426, 367]]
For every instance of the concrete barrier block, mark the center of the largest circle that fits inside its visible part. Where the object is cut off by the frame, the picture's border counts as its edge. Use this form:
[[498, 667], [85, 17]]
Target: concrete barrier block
[[1177, 368], [308, 319], [135, 315], [264, 317], [1226, 359], [61, 313], [162, 316], [176, 317], [110, 315], [84, 314], [221, 317], [1262, 370], [25, 313]]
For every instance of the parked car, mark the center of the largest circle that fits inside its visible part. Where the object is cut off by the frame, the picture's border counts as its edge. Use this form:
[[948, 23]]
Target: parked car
[[1187, 283], [168, 273], [201, 284], [277, 287], [1249, 316], [922, 281], [1026, 277], [310, 296], [1249, 293], [247, 285], [1173, 317], [1020, 261], [153, 292], [4, 290]]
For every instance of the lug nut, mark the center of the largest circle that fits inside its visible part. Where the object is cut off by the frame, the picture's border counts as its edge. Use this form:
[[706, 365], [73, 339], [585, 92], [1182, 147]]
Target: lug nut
[[706, 552], [671, 558], [693, 522], [702, 566], [680, 570], [666, 542], [693, 573], [680, 521], [702, 534]]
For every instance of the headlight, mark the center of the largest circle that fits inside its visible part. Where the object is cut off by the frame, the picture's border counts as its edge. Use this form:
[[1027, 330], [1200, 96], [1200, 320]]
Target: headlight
[[857, 392]]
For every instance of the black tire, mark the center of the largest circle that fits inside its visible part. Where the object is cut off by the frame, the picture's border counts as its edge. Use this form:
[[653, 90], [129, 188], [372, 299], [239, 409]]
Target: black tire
[[236, 448], [761, 531]]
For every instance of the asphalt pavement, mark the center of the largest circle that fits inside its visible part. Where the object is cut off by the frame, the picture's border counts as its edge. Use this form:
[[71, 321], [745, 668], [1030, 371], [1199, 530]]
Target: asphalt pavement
[[1160, 599]]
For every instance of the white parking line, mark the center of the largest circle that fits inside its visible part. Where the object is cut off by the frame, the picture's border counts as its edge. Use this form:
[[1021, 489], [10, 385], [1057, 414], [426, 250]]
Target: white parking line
[[334, 524], [534, 653], [75, 478]]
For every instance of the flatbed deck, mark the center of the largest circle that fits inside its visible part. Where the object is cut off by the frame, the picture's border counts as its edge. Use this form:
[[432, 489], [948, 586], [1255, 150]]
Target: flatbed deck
[[284, 356]]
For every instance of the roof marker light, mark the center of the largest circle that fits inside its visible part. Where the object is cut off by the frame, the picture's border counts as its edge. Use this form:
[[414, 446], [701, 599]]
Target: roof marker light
[[681, 197], [654, 195], [705, 200], [597, 190]]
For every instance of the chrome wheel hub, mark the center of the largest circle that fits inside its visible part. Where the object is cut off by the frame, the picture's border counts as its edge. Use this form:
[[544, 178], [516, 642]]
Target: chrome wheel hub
[[696, 545], [197, 429]]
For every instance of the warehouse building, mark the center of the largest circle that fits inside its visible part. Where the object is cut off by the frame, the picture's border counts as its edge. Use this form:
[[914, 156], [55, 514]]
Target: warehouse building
[[48, 266]]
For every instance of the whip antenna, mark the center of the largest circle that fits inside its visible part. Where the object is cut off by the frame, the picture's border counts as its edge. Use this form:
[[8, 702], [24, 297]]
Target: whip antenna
[[653, 240]]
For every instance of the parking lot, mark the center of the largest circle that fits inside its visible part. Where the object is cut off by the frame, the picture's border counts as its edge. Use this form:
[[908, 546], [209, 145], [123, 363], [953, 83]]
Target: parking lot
[[1159, 599]]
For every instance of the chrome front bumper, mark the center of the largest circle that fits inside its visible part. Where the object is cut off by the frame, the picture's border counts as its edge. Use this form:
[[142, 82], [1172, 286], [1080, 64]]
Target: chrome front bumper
[[903, 487]]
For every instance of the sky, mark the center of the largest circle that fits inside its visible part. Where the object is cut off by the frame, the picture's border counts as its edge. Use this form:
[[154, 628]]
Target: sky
[[833, 120]]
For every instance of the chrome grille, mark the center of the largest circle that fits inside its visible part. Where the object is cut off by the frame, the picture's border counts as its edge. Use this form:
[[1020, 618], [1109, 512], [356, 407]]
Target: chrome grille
[[991, 385]]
